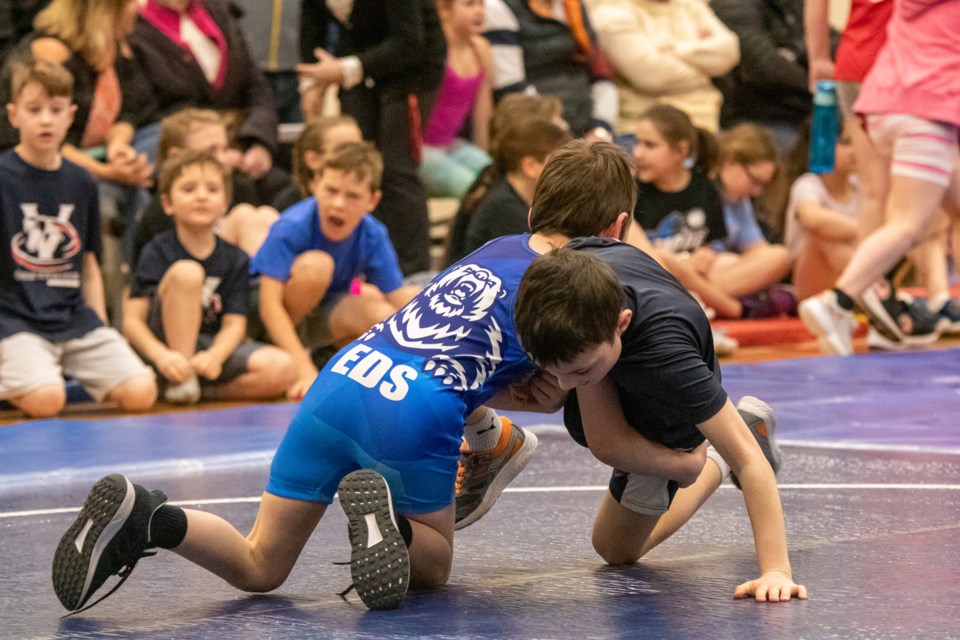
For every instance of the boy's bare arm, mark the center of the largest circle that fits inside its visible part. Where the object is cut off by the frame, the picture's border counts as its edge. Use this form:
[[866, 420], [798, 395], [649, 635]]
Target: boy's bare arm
[[173, 366], [282, 331], [538, 393], [616, 443], [93, 294], [730, 436]]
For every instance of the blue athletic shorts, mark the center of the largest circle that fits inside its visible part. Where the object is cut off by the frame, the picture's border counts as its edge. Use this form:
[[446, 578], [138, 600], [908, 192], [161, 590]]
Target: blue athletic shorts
[[342, 426]]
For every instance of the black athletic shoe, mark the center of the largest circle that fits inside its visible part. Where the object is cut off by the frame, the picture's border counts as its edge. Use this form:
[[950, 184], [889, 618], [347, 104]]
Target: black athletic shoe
[[379, 561], [108, 538]]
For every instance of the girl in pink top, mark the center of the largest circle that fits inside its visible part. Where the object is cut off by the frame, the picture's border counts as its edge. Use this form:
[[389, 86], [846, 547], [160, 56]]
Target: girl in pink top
[[450, 164], [911, 103]]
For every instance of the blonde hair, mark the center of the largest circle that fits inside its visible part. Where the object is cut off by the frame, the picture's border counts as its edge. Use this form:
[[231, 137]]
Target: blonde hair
[[88, 27], [747, 144], [175, 128]]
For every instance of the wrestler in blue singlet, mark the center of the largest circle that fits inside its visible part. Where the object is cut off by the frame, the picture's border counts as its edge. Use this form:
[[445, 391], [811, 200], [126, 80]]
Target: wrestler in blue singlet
[[394, 400]]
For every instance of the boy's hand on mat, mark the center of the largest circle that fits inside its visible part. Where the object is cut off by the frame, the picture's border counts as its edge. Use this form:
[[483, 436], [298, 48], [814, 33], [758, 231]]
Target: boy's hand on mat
[[772, 586], [305, 377]]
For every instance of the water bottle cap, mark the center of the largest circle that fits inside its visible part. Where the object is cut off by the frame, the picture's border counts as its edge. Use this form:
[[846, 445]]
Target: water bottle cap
[[826, 93]]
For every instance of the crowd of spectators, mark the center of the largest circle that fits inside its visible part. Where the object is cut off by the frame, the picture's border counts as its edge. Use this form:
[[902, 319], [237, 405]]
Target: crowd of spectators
[[458, 98]]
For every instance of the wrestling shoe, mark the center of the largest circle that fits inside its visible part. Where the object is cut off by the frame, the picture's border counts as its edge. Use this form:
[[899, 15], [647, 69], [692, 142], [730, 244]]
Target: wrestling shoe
[[379, 560], [950, 317], [829, 322], [762, 423], [482, 476], [108, 538]]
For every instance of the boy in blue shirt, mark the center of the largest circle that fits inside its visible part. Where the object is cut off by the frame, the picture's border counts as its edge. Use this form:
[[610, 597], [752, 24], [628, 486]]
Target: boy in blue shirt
[[313, 253], [52, 305]]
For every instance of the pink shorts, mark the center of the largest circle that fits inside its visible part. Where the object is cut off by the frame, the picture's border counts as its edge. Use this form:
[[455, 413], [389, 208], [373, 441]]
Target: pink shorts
[[916, 147]]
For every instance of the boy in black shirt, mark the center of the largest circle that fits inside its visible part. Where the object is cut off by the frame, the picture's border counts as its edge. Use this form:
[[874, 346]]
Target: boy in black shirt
[[52, 307], [187, 308], [637, 352]]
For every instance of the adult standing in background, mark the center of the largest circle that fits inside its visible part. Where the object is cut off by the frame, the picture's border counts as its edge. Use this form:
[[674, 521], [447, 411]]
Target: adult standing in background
[[195, 55], [391, 61], [272, 30], [769, 86], [665, 52]]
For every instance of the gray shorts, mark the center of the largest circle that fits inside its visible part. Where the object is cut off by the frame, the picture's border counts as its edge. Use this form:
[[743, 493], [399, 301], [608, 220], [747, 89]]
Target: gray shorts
[[100, 361], [647, 495], [313, 330]]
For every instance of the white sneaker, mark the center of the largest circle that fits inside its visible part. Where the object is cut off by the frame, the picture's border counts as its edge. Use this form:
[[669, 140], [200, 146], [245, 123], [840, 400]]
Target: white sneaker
[[723, 344], [187, 392], [832, 324]]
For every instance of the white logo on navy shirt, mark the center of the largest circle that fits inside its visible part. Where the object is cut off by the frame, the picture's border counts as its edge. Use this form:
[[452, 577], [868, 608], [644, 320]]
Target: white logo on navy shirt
[[47, 244]]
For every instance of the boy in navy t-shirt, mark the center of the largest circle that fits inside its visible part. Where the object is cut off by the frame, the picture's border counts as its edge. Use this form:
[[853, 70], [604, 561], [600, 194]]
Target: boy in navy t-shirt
[[52, 307], [187, 307], [308, 263]]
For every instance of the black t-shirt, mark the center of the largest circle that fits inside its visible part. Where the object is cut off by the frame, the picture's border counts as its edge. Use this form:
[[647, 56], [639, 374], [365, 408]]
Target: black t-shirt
[[51, 219], [667, 376], [502, 213], [681, 221], [154, 221], [225, 289]]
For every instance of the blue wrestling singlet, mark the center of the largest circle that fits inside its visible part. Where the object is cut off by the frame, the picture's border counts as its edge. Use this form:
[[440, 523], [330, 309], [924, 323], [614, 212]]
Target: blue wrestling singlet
[[395, 399]]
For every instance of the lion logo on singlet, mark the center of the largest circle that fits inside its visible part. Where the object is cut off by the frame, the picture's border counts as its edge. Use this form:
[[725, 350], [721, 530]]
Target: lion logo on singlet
[[446, 319]]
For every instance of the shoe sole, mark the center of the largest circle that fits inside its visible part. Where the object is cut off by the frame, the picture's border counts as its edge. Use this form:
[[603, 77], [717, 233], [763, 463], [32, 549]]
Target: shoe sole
[[815, 318], [108, 505], [379, 561], [504, 477]]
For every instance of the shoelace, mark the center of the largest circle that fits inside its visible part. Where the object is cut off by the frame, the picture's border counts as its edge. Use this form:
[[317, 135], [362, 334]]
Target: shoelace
[[124, 573]]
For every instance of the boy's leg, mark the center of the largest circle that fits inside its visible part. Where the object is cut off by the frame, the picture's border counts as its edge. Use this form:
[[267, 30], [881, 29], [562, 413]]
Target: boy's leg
[[121, 522], [180, 293], [352, 315], [247, 226], [742, 274], [253, 371], [310, 277], [31, 378]]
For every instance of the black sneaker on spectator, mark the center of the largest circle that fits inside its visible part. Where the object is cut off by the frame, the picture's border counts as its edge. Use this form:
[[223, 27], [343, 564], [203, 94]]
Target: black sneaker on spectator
[[949, 313], [900, 323]]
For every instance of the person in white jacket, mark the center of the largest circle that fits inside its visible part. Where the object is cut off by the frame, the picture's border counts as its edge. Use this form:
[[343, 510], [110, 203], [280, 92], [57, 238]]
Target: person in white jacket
[[665, 51]]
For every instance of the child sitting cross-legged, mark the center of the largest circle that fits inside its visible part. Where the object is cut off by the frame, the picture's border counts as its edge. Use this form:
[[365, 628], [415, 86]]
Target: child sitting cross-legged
[[187, 307]]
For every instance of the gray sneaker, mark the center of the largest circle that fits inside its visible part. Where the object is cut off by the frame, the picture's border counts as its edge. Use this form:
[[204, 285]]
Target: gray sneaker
[[379, 560], [829, 322], [482, 477], [762, 423]]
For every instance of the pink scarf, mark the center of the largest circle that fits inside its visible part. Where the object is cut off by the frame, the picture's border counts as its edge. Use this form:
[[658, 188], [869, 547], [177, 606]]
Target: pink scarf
[[168, 22]]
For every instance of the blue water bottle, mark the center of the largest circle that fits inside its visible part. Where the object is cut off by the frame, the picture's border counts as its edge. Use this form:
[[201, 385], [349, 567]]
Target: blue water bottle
[[824, 129]]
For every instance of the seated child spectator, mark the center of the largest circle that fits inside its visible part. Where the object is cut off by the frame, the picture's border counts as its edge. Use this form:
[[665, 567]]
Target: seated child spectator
[[520, 157], [511, 111], [821, 217], [187, 307], [636, 353], [52, 306], [744, 263], [450, 163], [308, 263], [318, 138], [247, 222], [679, 207]]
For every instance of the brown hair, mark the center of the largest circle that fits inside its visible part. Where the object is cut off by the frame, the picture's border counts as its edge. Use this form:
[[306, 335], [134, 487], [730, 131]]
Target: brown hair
[[174, 167], [583, 188], [359, 158], [515, 108], [52, 76], [676, 127], [747, 144], [313, 138], [536, 138], [567, 302], [87, 27], [177, 127]]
